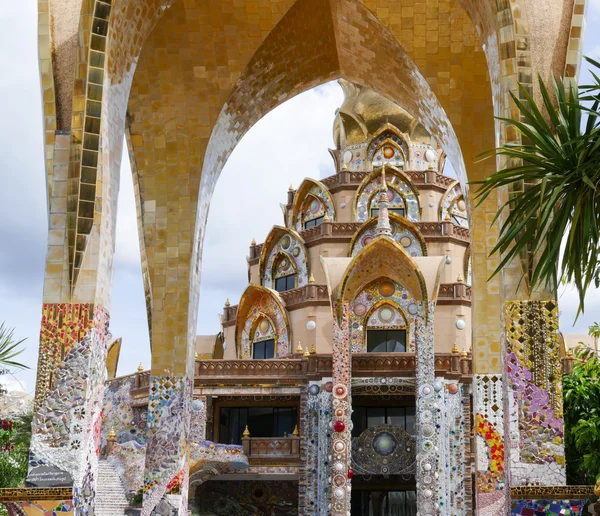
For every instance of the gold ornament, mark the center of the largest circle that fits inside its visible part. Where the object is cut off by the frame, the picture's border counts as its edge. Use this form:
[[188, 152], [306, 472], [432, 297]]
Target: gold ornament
[[246, 432]]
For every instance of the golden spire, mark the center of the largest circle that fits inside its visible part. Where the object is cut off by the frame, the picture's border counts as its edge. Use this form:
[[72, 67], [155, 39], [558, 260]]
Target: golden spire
[[455, 350], [464, 353], [459, 279], [447, 217], [253, 242], [112, 435], [195, 355], [291, 188], [306, 352], [299, 348], [296, 433], [140, 368], [313, 350], [345, 166], [246, 432], [227, 303], [326, 217], [311, 278]]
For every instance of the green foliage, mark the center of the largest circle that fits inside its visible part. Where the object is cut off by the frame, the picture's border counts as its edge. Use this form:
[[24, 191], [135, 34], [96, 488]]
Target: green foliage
[[15, 435], [581, 393], [552, 177], [9, 348]]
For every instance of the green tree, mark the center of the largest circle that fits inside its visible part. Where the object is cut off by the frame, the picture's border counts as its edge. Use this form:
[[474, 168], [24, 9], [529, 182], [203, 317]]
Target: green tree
[[581, 393], [15, 435], [552, 177]]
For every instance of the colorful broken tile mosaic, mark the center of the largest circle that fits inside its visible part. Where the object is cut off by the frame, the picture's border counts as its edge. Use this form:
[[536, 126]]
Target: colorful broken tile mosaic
[[265, 319], [547, 507], [287, 256]]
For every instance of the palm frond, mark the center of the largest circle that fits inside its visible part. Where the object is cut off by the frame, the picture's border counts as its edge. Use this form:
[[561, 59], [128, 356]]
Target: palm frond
[[554, 177], [9, 348]]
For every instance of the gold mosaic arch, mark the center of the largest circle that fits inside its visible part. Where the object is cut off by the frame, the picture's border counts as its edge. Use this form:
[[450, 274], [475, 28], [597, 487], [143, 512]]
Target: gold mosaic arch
[[252, 294], [259, 318], [390, 128], [303, 192], [272, 238], [381, 303], [381, 257], [398, 220], [445, 196], [390, 171]]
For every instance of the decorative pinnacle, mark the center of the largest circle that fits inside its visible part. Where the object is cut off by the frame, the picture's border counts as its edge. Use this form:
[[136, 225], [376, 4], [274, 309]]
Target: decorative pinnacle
[[227, 303], [455, 350], [291, 188], [296, 433], [246, 432], [326, 217], [459, 279], [253, 242], [196, 355], [463, 353], [112, 435], [140, 368], [311, 278], [299, 348], [383, 217], [313, 350], [306, 352]]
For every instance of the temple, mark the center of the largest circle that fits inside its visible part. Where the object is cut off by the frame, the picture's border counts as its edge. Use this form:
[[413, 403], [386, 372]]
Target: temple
[[373, 365]]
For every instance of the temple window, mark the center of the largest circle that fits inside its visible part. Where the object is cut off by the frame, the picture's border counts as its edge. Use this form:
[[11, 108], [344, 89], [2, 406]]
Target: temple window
[[397, 211], [313, 223], [386, 341], [261, 422], [284, 274], [364, 417], [264, 349], [313, 212], [285, 283]]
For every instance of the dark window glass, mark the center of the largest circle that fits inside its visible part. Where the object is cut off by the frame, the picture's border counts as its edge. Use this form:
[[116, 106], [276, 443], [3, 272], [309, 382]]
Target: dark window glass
[[261, 421], [285, 283], [313, 223], [264, 349], [366, 417], [386, 503], [386, 341], [397, 211]]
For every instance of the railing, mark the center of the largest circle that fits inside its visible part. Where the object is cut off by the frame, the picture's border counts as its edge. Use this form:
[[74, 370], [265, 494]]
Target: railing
[[450, 292], [244, 371], [308, 293], [287, 448]]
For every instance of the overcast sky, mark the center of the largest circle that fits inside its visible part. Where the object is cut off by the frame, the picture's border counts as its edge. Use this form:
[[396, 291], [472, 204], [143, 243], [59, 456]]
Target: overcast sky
[[290, 143]]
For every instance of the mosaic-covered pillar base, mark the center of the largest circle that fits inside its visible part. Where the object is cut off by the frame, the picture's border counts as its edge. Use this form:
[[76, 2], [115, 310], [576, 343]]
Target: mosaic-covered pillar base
[[490, 483], [66, 428], [451, 447], [428, 466], [341, 421], [41, 508], [547, 507], [166, 446], [318, 444], [534, 393]]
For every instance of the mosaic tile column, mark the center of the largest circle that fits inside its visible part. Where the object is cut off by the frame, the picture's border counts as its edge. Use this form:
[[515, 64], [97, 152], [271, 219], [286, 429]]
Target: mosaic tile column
[[166, 444], [66, 428], [341, 421], [429, 501], [533, 390]]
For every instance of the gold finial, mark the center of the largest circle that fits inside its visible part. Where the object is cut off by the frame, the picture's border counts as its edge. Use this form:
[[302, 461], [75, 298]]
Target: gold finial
[[112, 435], [295, 432], [345, 166], [459, 279], [455, 350], [463, 353], [447, 217], [306, 352], [291, 188], [313, 350], [195, 355], [227, 303], [253, 242], [140, 368], [326, 217], [246, 432], [299, 348], [311, 278]]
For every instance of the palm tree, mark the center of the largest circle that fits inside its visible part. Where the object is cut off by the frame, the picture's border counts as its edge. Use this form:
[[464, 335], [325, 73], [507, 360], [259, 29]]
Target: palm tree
[[553, 180], [8, 348]]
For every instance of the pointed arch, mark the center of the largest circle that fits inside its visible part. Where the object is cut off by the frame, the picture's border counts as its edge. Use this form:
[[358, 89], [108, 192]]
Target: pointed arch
[[396, 179], [259, 302], [402, 229], [316, 189], [383, 257], [453, 206], [283, 241]]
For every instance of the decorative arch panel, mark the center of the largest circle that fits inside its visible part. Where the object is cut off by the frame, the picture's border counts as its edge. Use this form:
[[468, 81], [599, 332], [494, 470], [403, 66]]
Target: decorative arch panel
[[398, 184], [284, 250], [403, 232], [312, 200], [383, 303], [454, 207], [388, 148], [261, 315]]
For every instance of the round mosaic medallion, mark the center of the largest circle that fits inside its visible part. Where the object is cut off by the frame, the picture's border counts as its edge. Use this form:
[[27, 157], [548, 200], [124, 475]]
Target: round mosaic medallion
[[263, 326], [453, 388], [406, 241], [413, 308], [286, 241], [314, 389], [315, 206], [384, 444], [264, 302], [461, 205], [360, 309], [426, 390], [390, 195], [387, 288], [386, 314], [388, 152], [296, 252], [328, 387], [340, 391], [429, 155], [367, 240]]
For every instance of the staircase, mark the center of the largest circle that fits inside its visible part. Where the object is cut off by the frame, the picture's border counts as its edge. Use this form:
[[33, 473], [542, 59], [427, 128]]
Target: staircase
[[110, 494]]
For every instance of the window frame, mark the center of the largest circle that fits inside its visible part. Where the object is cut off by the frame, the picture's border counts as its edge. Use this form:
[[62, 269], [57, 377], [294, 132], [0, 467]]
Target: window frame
[[316, 222], [380, 329], [264, 344], [287, 279]]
